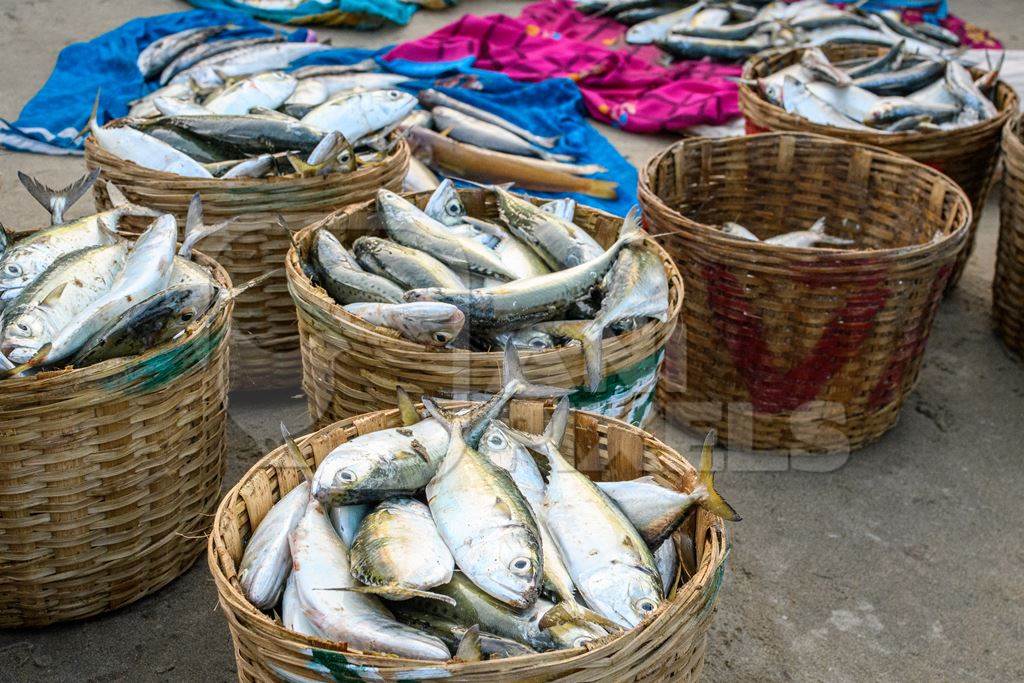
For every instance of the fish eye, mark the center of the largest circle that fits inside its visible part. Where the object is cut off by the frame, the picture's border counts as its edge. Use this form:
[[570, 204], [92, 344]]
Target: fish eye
[[538, 344], [394, 94], [496, 440], [347, 476], [187, 315], [22, 328], [442, 337], [521, 565], [580, 641], [454, 208], [646, 605], [13, 269]]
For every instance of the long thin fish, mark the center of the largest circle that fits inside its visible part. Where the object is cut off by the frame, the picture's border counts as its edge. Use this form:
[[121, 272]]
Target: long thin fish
[[433, 98]]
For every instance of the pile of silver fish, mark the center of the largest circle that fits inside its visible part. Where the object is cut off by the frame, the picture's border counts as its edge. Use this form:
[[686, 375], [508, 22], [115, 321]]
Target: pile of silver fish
[[734, 31], [458, 139], [898, 92], [456, 534], [446, 279], [76, 293], [813, 237]]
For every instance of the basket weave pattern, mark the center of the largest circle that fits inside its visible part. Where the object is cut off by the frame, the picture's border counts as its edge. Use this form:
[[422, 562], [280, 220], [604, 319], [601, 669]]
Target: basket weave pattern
[[265, 338], [809, 350], [1008, 286], [968, 155], [109, 475], [668, 647], [351, 367]]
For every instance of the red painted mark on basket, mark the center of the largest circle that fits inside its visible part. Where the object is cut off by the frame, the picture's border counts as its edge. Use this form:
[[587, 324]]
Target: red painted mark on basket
[[771, 389], [912, 345], [754, 129]]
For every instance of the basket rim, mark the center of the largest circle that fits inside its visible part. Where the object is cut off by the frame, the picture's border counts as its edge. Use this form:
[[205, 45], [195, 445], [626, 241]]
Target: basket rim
[[648, 194], [95, 151], [216, 547], [221, 310], [747, 93], [340, 318]]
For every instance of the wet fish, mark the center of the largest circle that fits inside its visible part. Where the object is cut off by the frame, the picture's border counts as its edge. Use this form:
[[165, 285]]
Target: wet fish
[[739, 232], [564, 208], [484, 519], [667, 560], [57, 201], [903, 80], [245, 61], [398, 552], [266, 562], [445, 206], [346, 285], [268, 90], [815, 61], [488, 135], [313, 91], [256, 167], [176, 107], [144, 107], [960, 82], [409, 268], [893, 110], [409, 226], [692, 47], [194, 146], [359, 114], [248, 134], [320, 565], [435, 98], [798, 100], [636, 289], [346, 520], [292, 616], [452, 633], [74, 281], [521, 260], [158, 54], [887, 62], [560, 243], [488, 166], [607, 558], [808, 238], [206, 50], [525, 340], [528, 300], [425, 322]]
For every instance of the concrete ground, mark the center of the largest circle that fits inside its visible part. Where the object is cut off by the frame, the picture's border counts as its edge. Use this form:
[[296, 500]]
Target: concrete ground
[[904, 564]]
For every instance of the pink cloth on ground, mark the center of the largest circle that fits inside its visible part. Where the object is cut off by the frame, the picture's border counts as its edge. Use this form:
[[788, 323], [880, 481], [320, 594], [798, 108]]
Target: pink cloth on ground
[[621, 84]]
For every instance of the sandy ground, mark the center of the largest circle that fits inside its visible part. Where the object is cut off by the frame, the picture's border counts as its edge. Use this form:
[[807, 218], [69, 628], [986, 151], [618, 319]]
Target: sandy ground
[[902, 565]]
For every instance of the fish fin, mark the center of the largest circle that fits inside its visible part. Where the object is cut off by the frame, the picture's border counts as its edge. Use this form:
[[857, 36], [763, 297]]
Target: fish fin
[[293, 450], [300, 165], [400, 591], [446, 418], [93, 124], [819, 226], [469, 646], [487, 227], [35, 361], [512, 374], [713, 502], [554, 431], [194, 217], [260, 279], [406, 409], [632, 231], [571, 612], [589, 333], [204, 231], [58, 201]]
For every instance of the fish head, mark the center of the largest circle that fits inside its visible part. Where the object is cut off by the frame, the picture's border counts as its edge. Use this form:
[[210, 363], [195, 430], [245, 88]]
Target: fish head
[[445, 205], [424, 294], [567, 635], [770, 90], [20, 266], [513, 572], [24, 334], [532, 340], [624, 593], [499, 448], [433, 323], [347, 476], [394, 104]]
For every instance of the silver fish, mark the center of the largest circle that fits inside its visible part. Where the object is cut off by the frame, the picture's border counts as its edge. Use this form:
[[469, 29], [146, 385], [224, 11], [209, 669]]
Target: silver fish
[[647, 32], [57, 201], [160, 52], [268, 90], [398, 550], [346, 520], [528, 300], [267, 560], [453, 634], [211, 72], [256, 167], [179, 107], [484, 520], [331, 263], [445, 206], [886, 62], [320, 565], [434, 98], [521, 260], [291, 612], [654, 510], [739, 232], [667, 559], [962, 85], [410, 268], [692, 47], [525, 340], [409, 226], [808, 238], [359, 114], [144, 107], [194, 55], [606, 557], [815, 61], [563, 208], [424, 322], [560, 243], [798, 100], [419, 178], [488, 135], [902, 81]]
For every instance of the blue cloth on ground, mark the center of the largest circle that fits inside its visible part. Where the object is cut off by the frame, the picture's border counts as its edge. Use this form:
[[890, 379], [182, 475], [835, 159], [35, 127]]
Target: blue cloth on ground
[[933, 10], [51, 121], [354, 13]]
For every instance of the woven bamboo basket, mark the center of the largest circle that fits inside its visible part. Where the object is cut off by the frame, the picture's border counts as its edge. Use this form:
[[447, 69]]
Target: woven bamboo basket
[[807, 350], [109, 475], [967, 155], [668, 647], [351, 367], [265, 341], [1008, 285]]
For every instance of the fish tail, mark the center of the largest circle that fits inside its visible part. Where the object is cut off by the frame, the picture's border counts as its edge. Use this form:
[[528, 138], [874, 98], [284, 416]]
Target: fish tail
[[712, 501], [260, 279], [572, 612], [552, 156], [632, 231], [58, 201], [544, 142], [406, 409], [394, 590], [590, 334], [819, 229], [293, 450], [446, 418], [514, 377], [196, 230], [469, 646], [93, 124]]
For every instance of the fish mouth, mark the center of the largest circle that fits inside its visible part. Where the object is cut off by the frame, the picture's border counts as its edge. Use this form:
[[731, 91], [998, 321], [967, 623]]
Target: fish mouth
[[17, 354]]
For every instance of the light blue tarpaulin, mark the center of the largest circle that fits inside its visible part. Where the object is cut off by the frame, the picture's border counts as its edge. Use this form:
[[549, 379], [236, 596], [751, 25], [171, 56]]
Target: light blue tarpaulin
[[51, 121], [354, 13]]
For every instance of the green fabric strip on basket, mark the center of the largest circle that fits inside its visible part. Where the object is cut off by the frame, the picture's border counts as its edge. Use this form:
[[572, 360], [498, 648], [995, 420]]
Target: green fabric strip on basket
[[631, 388]]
